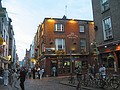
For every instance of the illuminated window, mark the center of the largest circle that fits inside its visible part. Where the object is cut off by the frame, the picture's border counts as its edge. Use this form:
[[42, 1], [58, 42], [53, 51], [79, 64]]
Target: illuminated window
[[107, 29], [104, 5], [82, 29], [59, 27], [60, 44]]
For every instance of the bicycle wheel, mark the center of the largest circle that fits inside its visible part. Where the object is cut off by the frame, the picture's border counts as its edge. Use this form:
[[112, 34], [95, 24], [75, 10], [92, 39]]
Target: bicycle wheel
[[79, 87], [71, 80], [114, 83]]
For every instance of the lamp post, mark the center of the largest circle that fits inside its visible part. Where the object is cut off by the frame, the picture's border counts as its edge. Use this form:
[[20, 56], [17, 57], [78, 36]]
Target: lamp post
[[71, 36]]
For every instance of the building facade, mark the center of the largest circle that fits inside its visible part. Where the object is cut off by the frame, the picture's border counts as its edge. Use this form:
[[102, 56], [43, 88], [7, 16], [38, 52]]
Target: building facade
[[5, 36], [106, 15], [63, 43], [7, 41]]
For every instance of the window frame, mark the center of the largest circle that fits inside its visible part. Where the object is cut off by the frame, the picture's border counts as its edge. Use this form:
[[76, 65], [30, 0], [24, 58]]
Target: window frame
[[104, 5], [59, 27], [57, 45], [83, 47], [107, 28], [83, 28]]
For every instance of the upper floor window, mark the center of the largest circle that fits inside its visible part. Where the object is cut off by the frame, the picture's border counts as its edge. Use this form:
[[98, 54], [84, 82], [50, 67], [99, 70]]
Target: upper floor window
[[59, 27], [107, 29], [60, 44], [82, 45], [82, 28], [104, 5]]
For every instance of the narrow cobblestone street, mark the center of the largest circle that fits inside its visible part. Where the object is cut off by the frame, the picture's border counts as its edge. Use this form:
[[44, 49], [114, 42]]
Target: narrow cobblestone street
[[45, 84], [49, 83]]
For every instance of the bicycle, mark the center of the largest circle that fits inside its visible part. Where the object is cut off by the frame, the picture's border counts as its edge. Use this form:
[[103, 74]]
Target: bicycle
[[114, 81], [79, 79], [71, 80]]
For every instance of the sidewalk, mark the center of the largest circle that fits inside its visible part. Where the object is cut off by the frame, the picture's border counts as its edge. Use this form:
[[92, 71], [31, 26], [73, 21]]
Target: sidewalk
[[65, 81], [8, 87]]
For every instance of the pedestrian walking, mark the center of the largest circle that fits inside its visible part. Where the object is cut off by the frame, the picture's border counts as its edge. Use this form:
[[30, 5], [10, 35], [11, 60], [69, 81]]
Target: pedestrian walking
[[29, 73], [6, 74], [15, 79], [54, 71], [22, 78], [78, 72], [93, 70], [41, 73], [10, 77], [33, 70], [102, 71]]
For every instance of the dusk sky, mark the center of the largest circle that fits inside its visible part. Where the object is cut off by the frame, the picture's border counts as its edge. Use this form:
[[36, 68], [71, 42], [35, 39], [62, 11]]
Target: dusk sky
[[26, 15]]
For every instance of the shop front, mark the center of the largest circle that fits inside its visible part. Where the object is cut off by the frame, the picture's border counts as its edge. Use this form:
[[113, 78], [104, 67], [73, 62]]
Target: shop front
[[110, 56], [63, 64]]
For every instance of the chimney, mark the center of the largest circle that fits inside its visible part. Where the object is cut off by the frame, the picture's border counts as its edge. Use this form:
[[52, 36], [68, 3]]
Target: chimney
[[64, 17]]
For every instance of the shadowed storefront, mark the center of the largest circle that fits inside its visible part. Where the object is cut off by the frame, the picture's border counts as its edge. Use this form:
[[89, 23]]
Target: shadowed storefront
[[63, 63]]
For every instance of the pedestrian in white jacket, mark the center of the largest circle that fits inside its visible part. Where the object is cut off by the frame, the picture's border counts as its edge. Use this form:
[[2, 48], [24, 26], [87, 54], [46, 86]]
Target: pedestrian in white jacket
[[41, 73], [15, 79], [6, 74]]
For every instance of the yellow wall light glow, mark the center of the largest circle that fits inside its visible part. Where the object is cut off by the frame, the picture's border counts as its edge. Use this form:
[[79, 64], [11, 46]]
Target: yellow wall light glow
[[51, 20], [72, 21], [92, 23]]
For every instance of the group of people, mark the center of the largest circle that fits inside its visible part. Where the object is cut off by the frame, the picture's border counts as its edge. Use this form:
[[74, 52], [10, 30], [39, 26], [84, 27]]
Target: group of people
[[12, 77], [92, 70], [39, 71]]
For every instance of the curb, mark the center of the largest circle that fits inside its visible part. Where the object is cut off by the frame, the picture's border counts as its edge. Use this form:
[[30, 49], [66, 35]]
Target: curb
[[87, 88]]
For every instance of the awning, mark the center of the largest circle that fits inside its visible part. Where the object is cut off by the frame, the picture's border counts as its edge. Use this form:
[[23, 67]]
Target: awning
[[4, 60], [110, 57]]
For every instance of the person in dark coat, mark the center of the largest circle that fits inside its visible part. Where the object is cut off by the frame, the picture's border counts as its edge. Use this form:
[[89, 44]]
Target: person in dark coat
[[22, 78], [33, 73]]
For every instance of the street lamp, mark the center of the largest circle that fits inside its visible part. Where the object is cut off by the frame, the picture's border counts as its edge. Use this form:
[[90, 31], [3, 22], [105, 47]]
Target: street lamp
[[71, 36]]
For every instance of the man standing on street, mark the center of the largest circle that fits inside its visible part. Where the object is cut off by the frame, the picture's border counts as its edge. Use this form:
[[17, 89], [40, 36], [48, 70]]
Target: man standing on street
[[22, 78], [6, 74]]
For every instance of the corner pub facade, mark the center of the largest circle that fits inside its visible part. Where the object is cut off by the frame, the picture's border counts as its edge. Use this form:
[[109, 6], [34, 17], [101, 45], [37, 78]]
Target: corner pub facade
[[62, 41]]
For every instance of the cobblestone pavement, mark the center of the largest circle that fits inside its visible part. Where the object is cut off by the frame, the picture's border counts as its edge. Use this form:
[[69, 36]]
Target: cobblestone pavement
[[66, 82], [48, 83]]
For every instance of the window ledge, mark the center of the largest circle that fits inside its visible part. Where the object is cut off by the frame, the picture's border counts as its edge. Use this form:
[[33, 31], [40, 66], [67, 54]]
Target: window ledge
[[59, 31], [105, 10]]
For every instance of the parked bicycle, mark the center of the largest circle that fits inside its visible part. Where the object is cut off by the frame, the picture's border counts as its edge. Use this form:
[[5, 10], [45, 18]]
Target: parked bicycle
[[115, 81], [71, 79], [112, 81], [79, 79]]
